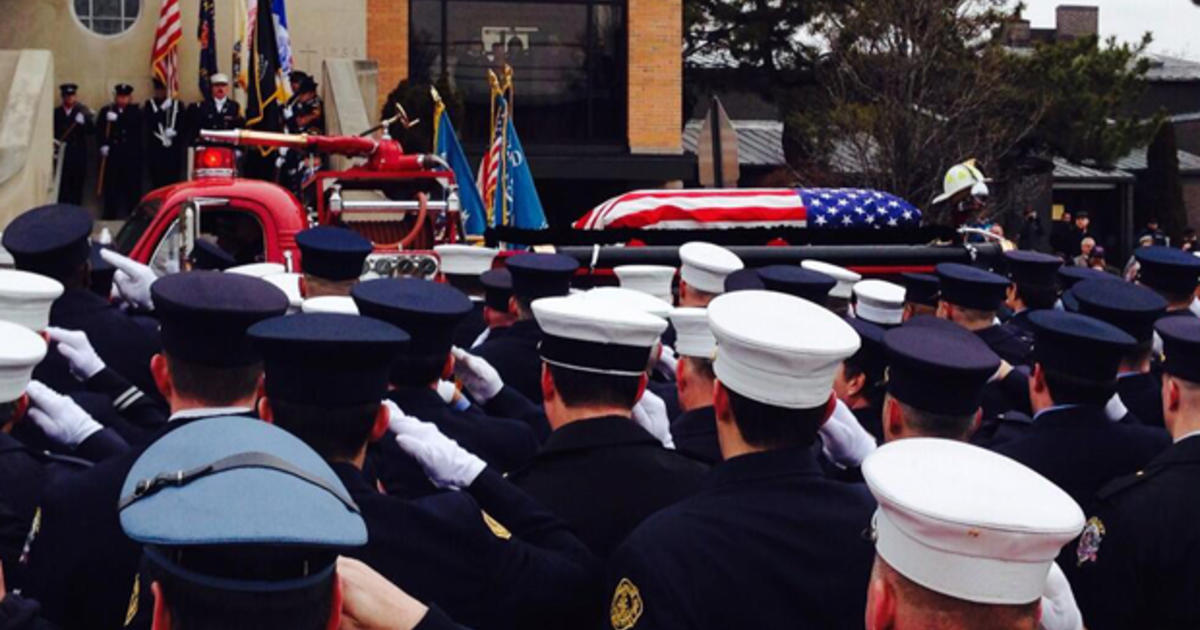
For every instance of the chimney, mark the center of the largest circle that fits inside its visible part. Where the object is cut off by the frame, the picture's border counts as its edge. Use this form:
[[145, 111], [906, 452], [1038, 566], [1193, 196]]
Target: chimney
[[1075, 21]]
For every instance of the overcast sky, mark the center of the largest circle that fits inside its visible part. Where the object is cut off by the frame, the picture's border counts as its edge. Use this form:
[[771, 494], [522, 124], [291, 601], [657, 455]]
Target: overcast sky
[[1174, 23]]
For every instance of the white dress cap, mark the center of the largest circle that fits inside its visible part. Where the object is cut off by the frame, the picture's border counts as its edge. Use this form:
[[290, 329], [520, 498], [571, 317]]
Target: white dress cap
[[845, 278], [966, 522], [21, 351], [705, 266], [620, 297], [778, 349], [6, 259], [341, 304], [692, 335], [611, 340], [465, 260], [650, 279], [289, 283], [25, 298], [257, 270], [879, 302]]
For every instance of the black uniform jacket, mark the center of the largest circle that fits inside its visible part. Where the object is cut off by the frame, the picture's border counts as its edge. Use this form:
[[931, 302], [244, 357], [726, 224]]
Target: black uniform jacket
[[82, 564], [695, 434], [1007, 344], [1136, 564], [605, 475], [504, 443], [514, 354], [768, 542], [1079, 449], [489, 556], [1142, 395]]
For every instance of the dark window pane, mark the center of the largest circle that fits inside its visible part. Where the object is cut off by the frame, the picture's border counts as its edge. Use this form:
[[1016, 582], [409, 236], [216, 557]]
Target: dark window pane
[[106, 26], [106, 8], [83, 8], [131, 10]]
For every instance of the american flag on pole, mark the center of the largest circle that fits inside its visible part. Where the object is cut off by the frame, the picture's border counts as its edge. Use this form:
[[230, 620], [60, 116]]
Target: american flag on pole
[[493, 161], [813, 208], [164, 60]]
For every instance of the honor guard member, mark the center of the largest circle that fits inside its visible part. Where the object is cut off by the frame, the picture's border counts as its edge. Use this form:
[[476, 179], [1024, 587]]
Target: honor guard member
[[879, 302], [1133, 309], [430, 311], [970, 298], [304, 111], [463, 267], [217, 112], [702, 272], [777, 543], [599, 470], [936, 378], [488, 555], [695, 430], [1172, 273], [515, 354], [1033, 288], [208, 256], [53, 241], [860, 380], [790, 279], [72, 125], [1072, 441], [655, 280], [920, 294], [964, 539], [164, 154], [332, 259], [83, 565], [839, 295], [119, 134], [497, 292], [217, 539], [1137, 557]]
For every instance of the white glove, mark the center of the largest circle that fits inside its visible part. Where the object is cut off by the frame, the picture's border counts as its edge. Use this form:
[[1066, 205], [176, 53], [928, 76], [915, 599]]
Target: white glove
[[166, 143], [847, 443], [667, 360], [448, 392], [283, 151], [447, 464], [1059, 610], [279, 162], [132, 279], [1115, 408], [288, 113], [651, 414], [78, 351], [111, 116], [104, 150], [167, 102], [480, 379], [59, 417], [79, 119], [170, 133]]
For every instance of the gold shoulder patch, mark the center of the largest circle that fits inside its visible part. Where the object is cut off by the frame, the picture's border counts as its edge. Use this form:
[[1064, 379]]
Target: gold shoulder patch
[[626, 605], [499, 530], [132, 611]]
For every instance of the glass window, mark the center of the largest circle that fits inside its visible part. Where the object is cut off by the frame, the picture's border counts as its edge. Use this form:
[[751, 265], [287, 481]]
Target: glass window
[[567, 56], [107, 17]]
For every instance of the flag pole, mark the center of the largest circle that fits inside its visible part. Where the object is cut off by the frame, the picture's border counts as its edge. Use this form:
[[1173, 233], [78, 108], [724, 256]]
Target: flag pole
[[438, 108], [508, 89]]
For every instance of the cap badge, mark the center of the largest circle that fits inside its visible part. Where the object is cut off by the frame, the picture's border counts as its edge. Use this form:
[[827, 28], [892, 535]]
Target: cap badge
[[626, 605], [1089, 541]]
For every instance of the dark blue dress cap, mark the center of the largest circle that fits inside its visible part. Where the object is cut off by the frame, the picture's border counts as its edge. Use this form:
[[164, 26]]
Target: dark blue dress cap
[[204, 315], [1079, 348], [813, 286], [1032, 268], [238, 485], [51, 240], [1168, 269], [541, 275], [1130, 307], [333, 253], [938, 368], [123, 89], [744, 280], [326, 359], [971, 287], [209, 256], [921, 288], [870, 356], [1181, 346], [428, 311], [497, 288], [1070, 276]]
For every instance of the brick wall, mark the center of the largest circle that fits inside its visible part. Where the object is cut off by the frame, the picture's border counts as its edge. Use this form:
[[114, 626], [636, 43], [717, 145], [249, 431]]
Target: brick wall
[[387, 43], [655, 76], [1077, 21]]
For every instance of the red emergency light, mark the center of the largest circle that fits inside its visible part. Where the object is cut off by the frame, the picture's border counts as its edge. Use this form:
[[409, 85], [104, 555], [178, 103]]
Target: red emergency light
[[210, 162]]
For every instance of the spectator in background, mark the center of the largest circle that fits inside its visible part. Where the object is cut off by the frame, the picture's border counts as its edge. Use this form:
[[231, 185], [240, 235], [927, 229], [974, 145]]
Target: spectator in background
[[1154, 233], [1060, 235], [1097, 261], [1030, 234], [1083, 258], [1131, 266], [1079, 232]]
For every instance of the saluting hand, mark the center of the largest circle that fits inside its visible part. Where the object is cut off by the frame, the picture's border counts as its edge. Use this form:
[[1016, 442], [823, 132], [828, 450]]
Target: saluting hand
[[478, 377], [847, 443], [78, 351], [447, 464], [59, 417], [650, 413], [371, 602], [132, 279]]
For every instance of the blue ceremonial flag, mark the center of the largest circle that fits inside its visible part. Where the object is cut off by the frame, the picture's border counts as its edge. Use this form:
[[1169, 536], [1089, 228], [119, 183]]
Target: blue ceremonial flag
[[206, 34], [522, 208], [445, 143], [283, 41]]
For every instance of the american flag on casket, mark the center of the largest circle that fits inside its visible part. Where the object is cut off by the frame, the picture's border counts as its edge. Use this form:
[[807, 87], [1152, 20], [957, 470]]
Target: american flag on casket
[[813, 208]]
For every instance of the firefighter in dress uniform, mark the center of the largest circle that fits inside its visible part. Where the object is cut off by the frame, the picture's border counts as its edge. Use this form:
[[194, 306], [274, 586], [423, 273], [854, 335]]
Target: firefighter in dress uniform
[[120, 138], [72, 124], [162, 128]]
